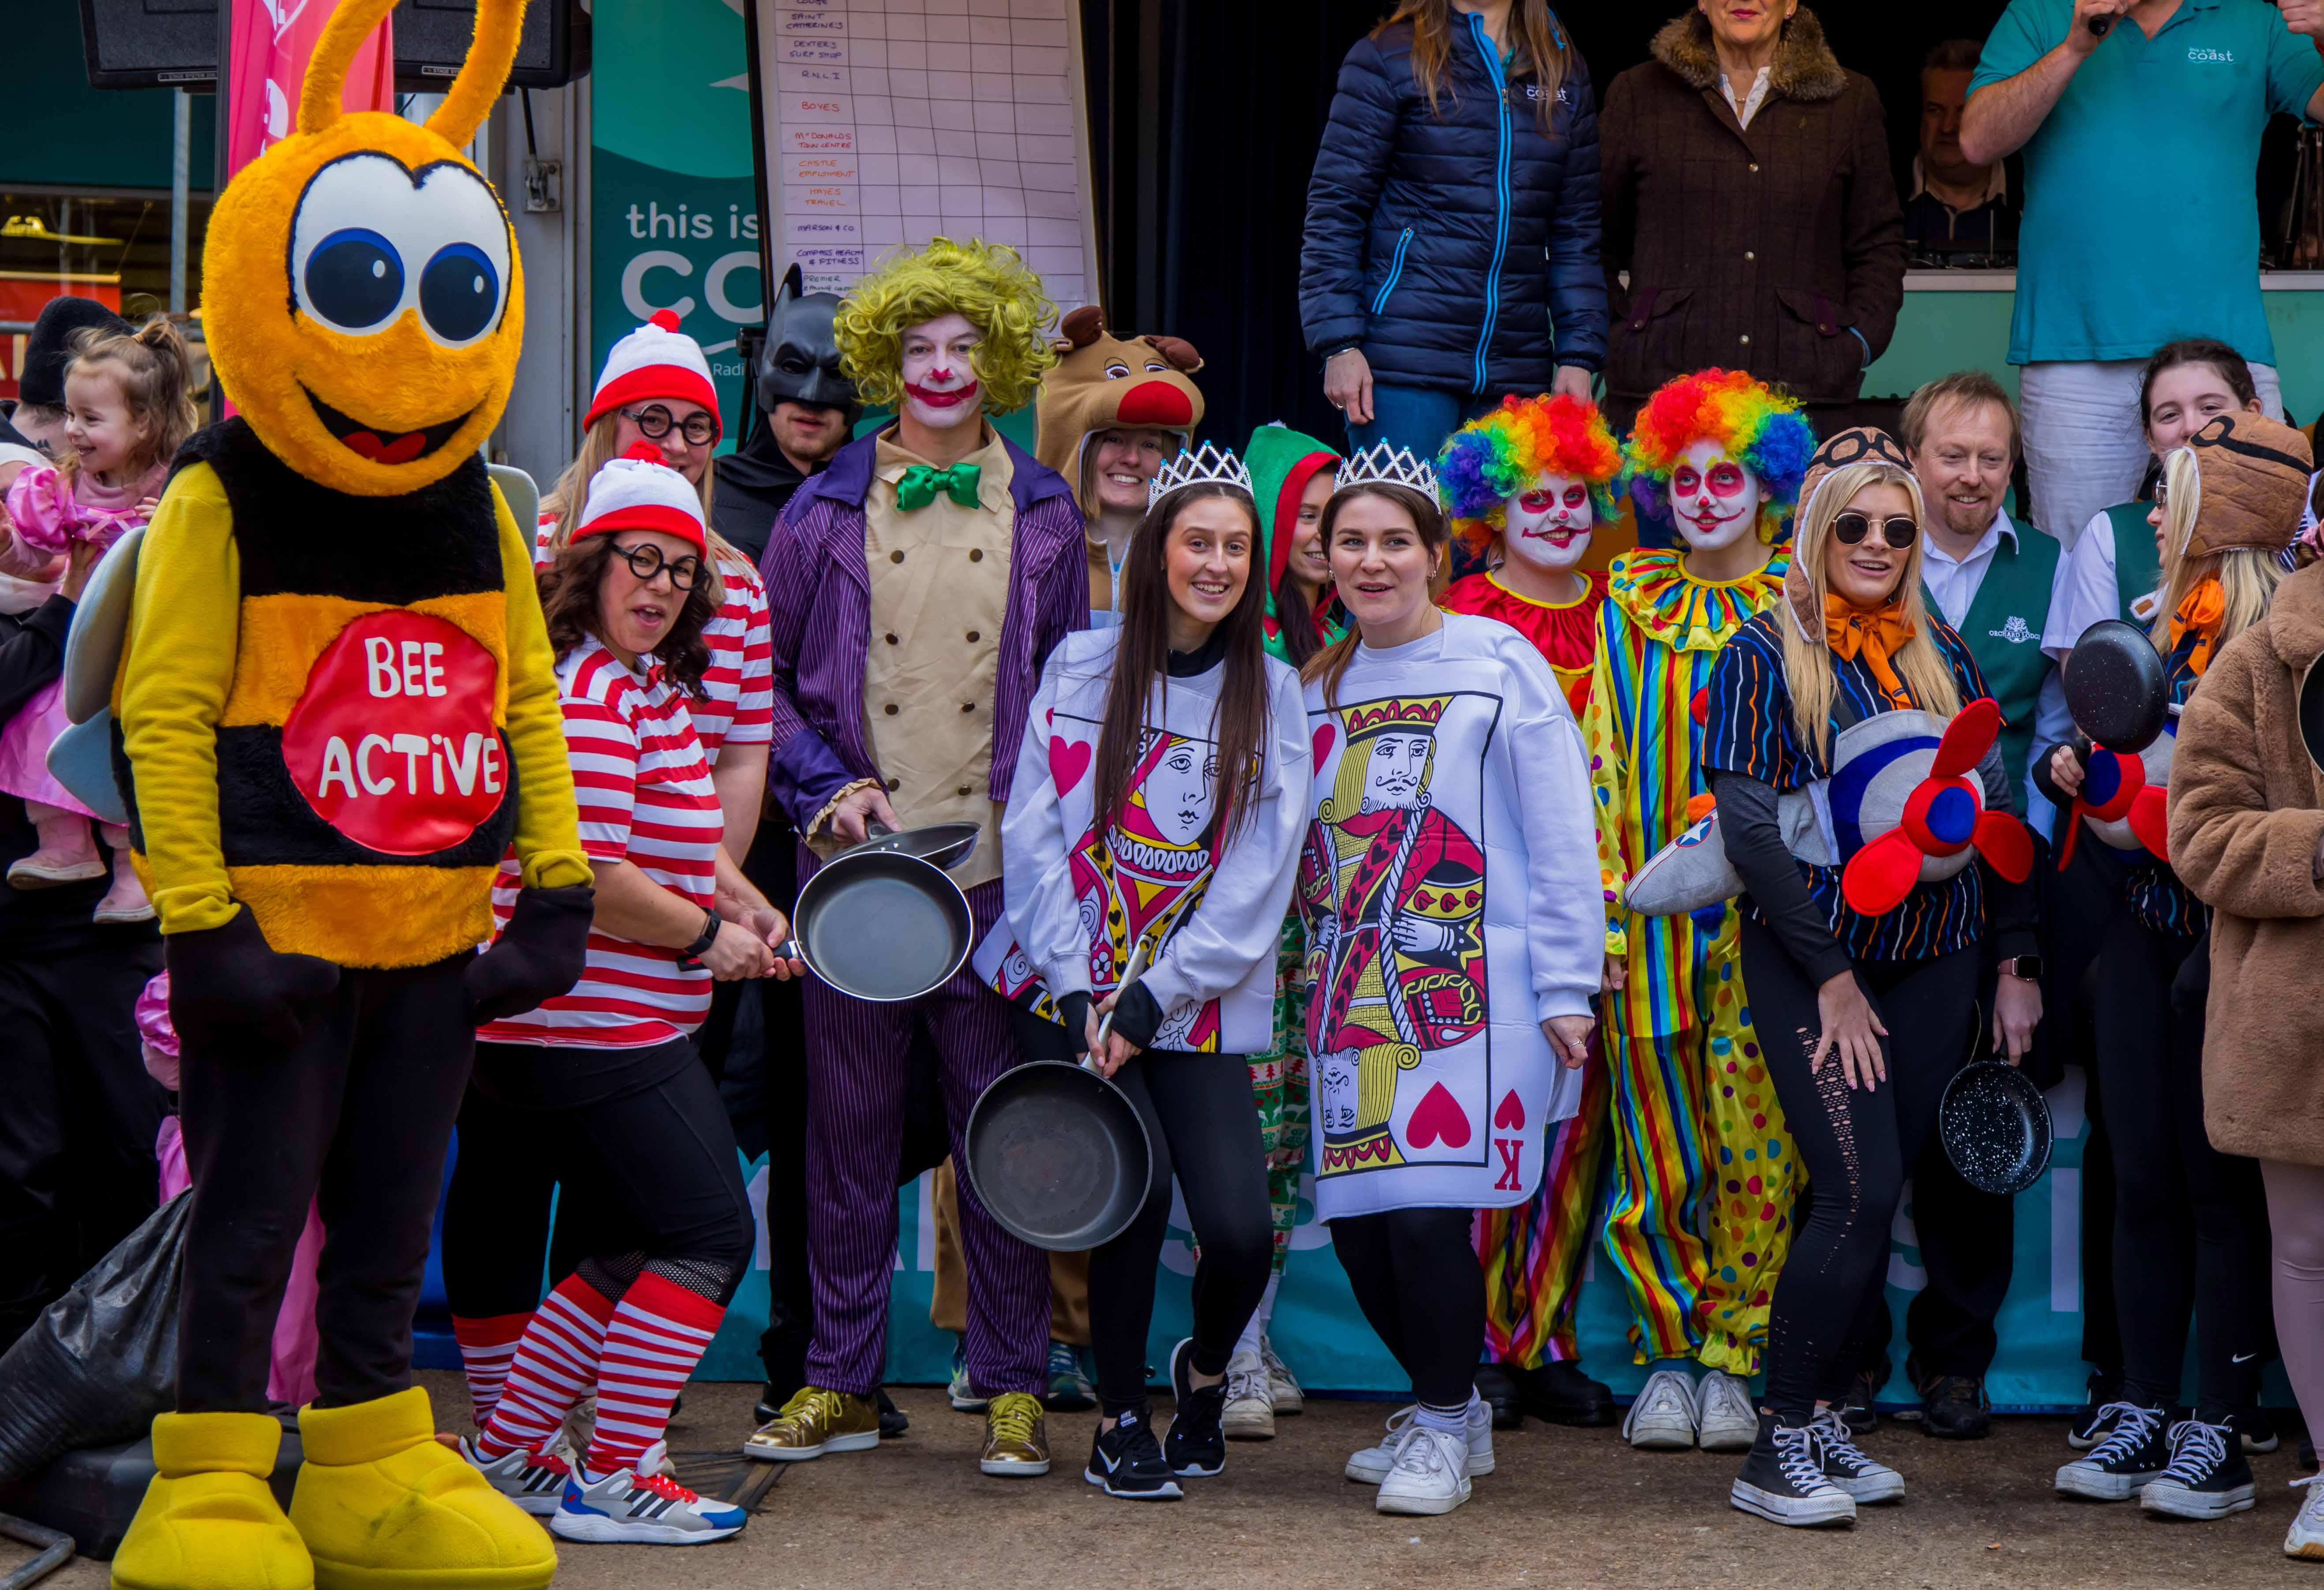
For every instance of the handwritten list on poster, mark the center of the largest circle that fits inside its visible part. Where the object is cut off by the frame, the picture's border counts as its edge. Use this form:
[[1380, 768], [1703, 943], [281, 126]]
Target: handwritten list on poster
[[894, 121]]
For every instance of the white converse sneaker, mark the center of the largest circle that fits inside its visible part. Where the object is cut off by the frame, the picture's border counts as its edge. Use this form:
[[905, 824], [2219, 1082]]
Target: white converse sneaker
[[1664, 1416], [1429, 1475], [1370, 1465], [534, 1480], [1783, 1479], [1250, 1413], [1289, 1398], [1725, 1419], [2305, 1538]]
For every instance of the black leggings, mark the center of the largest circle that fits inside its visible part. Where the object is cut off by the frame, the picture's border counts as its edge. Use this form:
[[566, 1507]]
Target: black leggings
[[1416, 1276], [651, 1173], [1202, 1119], [1829, 1315], [2190, 1233]]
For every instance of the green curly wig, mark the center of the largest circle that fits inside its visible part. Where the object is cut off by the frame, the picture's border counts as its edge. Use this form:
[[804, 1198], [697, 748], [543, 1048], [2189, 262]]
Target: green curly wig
[[986, 284]]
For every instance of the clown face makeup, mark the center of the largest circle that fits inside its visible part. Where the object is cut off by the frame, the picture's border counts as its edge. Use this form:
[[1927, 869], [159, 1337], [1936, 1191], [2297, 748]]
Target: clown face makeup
[[941, 391], [1548, 527], [1714, 498]]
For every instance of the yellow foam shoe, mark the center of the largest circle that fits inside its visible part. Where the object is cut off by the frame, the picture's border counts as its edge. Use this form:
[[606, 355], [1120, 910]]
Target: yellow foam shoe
[[382, 1506], [208, 1522]]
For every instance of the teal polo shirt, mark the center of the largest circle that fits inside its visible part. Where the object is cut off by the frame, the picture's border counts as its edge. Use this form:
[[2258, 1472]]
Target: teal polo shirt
[[2142, 214]]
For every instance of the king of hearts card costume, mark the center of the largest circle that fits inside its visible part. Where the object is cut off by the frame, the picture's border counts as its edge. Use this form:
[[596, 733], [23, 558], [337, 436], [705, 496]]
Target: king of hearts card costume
[[1451, 907], [337, 710]]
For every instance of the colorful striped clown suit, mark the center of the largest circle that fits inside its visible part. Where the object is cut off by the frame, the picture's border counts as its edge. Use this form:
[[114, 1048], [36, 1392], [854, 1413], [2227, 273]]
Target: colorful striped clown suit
[[1698, 1218], [1496, 464]]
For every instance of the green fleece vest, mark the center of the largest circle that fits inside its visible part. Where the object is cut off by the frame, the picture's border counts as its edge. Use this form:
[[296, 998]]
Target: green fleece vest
[[2137, 568], [2003, 628]]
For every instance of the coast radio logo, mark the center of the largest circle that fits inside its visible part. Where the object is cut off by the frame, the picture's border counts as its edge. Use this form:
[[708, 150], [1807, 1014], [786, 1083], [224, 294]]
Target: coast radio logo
[[392, 743]]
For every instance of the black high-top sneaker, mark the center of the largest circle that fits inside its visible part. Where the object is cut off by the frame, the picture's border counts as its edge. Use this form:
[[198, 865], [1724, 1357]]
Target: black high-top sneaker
[[2208, 1476], [1127, 1461], [2256, 1428], [2096, 1421], [1783, 1480], [1846, 1465], [2136, 1449], [1196, 1445]]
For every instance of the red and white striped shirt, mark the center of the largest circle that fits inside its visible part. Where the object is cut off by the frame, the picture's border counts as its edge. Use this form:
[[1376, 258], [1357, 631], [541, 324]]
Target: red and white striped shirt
[[737, 701], [645, 796]]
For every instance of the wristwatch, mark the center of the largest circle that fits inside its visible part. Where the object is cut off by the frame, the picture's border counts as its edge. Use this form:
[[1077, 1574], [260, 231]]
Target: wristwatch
[[690, 958], [2025, 967]]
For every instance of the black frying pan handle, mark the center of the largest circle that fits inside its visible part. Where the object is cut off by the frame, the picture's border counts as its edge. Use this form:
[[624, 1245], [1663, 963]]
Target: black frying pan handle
[[2100, 27], [789, 950]]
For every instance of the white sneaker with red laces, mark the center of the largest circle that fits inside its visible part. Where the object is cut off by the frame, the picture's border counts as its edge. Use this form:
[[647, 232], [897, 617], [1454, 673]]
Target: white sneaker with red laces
[[643, 1506], [534, 1480]]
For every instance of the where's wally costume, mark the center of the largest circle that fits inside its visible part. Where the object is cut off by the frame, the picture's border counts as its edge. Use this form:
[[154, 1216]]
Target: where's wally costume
[[1524, 461], [1691, 1110]]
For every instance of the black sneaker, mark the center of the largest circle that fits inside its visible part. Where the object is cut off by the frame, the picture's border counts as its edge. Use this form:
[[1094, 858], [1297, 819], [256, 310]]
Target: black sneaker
[[1196, 1445], [2254, 1430], [1783, 1480], [893, 1420], [2095, 1422], [1855, 1410], [1953, 1408], [1497, 1384], [1559, 1392], [2208, 1476], [1127, 1461], [1846, 1465], [2137, 1449]]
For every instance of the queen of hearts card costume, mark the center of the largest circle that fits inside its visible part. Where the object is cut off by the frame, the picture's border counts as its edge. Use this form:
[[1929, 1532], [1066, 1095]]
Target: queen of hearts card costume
[[1451, 902]]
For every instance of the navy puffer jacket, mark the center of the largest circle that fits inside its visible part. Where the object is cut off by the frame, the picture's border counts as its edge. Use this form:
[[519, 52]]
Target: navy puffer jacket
[[1459, 250]]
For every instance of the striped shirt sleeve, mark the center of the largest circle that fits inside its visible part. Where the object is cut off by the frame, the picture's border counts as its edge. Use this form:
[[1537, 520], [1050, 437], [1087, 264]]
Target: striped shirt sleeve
[[1746, 728]]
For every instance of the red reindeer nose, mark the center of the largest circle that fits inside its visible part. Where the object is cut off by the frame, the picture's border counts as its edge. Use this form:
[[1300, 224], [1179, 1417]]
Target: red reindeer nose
[[1155, 402]]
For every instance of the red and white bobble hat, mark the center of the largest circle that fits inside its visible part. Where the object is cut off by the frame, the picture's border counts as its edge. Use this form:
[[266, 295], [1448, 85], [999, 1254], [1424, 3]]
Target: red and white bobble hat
[[655, 361], [640, 492]]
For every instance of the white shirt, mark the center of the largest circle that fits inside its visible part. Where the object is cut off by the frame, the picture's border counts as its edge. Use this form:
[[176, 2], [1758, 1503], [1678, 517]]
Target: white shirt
[[2085, 591], [1750, 105]]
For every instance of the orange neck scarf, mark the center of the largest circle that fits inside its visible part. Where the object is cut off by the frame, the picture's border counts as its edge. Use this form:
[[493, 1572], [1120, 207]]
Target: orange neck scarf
[[2200, 611], [1876, 635]]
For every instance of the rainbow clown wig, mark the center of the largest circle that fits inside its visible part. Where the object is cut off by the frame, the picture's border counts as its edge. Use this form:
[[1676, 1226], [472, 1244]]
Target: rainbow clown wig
[[1750, 419], [986, 282], [1497, 456]]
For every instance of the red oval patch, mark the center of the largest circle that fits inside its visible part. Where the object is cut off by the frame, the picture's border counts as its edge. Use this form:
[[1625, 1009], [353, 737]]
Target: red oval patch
[[392, 742]]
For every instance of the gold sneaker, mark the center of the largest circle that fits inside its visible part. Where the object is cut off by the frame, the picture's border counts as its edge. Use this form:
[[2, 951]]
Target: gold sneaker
[[816, 1421], [1016, 1437]]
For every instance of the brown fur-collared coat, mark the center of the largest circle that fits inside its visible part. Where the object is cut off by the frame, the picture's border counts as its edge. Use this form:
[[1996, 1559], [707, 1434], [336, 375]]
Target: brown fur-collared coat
[[2247, 812], [1752, 248]]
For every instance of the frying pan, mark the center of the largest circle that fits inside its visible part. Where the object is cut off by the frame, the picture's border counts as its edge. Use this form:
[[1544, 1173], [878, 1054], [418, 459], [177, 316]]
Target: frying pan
[[947, 844], [2112, 682], [1057, 1151], [880, 923], [1996, 1127]]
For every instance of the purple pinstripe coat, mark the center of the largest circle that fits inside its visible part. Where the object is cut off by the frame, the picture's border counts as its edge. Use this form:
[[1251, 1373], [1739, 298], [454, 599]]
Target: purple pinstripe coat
[[819, 607]]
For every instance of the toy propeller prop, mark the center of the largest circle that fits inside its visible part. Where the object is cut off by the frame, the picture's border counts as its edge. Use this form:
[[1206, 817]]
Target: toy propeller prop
[[2115, 692], [1945, 815]]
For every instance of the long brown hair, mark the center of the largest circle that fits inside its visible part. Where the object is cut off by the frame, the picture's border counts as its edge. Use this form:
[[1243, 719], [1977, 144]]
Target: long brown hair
[[1540, 48], [1427, 518], [1240, 725], [568, 604], [155, 373], [1295, 621]]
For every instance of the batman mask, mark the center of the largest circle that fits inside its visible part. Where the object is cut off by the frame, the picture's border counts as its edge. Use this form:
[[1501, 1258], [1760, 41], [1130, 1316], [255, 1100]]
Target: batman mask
[[799, 361]]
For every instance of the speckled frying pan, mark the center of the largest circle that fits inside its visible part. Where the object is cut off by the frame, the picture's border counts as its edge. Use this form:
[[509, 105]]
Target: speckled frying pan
[[1996, 1127], [2112, 682]]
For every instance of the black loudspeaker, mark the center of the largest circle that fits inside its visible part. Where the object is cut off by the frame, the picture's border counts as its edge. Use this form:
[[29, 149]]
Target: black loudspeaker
[[173, 43]]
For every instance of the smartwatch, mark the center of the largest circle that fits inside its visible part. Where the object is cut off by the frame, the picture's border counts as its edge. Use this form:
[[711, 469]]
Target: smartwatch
[[2027, 966], [690, 958]]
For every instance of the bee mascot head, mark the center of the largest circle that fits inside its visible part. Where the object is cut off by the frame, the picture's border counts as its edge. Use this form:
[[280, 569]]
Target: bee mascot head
[[361, 292]]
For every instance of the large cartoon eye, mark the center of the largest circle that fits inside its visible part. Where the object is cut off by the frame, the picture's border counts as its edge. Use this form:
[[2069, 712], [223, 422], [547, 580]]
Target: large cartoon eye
[[1115, 370], [459, 292], [354, 277], [373, 240]]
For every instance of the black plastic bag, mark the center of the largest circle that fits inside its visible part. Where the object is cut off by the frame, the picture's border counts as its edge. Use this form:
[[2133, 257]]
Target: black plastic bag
[[102, 1360]]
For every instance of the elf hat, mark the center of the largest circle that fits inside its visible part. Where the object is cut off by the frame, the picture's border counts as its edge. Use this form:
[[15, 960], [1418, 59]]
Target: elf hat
[[655, 361], [640, 492]]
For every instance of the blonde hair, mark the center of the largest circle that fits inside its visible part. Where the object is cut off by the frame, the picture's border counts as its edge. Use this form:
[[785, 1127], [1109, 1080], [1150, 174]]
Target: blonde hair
[[570, 496], [1808, 671], [155, 372], [2248, 576]]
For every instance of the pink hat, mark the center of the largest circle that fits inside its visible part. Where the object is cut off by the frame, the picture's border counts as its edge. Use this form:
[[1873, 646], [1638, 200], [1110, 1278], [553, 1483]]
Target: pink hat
[[655, 361], [640, 492]]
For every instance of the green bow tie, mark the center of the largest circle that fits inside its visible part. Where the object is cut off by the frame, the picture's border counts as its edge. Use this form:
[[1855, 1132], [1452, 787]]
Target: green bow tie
[[923, 482]]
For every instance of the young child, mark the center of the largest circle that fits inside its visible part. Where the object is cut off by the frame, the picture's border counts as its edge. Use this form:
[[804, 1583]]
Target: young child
[[128, 407]]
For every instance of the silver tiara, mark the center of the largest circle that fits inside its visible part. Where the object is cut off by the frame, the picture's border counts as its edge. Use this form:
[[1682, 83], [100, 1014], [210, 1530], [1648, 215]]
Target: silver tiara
[[1384, 463], [1203, 466]]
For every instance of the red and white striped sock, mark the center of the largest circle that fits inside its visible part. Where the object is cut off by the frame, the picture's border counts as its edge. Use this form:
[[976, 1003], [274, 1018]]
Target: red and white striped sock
[[556, 1365], [658, 1335], [486, 1348]]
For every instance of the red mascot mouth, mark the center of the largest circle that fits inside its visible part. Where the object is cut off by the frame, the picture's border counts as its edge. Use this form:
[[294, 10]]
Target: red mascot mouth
[[389, 446]]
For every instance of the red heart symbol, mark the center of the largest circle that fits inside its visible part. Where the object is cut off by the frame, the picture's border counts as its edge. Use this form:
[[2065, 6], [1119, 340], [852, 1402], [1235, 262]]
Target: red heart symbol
[[1324, 738], [1510, 1116], [1068, 761], [1438, 1119]]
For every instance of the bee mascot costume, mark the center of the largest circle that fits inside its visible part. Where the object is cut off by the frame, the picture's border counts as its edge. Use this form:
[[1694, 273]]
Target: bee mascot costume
[[337, 711]]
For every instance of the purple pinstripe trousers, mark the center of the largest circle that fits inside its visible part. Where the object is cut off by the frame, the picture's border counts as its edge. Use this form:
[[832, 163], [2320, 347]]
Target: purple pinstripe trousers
[[855, 1126]]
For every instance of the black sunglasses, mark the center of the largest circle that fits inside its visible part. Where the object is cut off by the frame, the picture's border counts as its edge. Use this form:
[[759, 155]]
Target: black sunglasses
[[654, 422], [1897, 531], [646, 561]]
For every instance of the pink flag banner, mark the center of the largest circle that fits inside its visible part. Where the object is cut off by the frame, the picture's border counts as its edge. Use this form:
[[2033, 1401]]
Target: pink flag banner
[[272, 41]]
